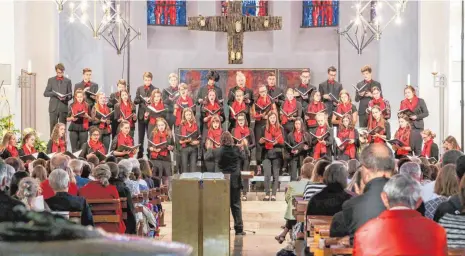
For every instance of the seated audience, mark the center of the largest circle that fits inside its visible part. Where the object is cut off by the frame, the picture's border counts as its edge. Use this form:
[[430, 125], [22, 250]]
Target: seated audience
[[10, 171], [93, 159], [123, 192], [433, 171], [28, 193], [316, 184], [446, 186], [75, 166], [138, 178], [14, 184], [411, 169], [125, 167], [377, 165], [295, 188], [6, 202], [407, 232], [450, 157], [451, 215], [425, 173], [63, 201], [15, 163], [39, 173], [39, 161], [330, 199], [146, 173], [101, 189], [86, 170], [356, 185], [353, 165]]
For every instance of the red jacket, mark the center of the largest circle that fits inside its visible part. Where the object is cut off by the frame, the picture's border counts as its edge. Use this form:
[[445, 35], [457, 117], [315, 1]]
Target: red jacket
[[95, 190], [48, 192], [400, 232]]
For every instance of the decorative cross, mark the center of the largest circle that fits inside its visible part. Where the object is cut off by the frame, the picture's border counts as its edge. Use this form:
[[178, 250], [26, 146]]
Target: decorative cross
[[235, 24]]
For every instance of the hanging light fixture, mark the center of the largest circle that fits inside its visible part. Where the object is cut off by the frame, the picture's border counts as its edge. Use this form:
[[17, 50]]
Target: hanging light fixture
[[96, 18], [60, 4], [360, 31]]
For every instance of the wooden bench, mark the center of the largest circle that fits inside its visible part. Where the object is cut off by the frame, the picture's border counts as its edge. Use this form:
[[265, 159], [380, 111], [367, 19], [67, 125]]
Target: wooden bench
[[299, 208], [104, 211]]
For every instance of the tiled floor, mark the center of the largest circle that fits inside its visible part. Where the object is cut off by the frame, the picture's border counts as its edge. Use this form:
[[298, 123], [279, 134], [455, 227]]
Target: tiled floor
[[265, 218]]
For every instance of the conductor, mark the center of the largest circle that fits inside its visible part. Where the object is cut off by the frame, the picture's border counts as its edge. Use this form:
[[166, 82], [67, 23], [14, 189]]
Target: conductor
[[230, 156]]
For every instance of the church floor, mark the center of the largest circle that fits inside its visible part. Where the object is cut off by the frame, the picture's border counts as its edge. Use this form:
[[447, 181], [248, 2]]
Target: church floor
[[263, 217]]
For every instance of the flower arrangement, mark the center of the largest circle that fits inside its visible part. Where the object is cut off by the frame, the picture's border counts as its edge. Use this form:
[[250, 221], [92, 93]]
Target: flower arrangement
[[7, 125], [40, 145]]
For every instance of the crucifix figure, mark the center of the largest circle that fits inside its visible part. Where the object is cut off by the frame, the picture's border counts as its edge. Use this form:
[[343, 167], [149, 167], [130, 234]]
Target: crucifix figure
[[235, 24]]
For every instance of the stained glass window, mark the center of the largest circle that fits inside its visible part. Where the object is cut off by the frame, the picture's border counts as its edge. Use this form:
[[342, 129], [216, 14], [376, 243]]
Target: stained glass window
[[320, 13], [249, 7], [166, 13]]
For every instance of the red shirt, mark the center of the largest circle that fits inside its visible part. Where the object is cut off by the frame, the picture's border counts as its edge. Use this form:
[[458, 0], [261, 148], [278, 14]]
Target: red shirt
[[404, 232], [48, 192]]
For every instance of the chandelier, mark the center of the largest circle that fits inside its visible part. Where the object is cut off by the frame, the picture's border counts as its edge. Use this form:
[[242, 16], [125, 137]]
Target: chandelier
[[60, 4], [368, 25]]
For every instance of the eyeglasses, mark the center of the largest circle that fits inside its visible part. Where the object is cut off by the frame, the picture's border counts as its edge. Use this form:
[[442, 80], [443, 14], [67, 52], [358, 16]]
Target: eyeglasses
[[96, 134]]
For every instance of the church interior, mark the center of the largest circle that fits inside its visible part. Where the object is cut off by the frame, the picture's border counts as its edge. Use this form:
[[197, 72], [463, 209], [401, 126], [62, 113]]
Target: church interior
[[232, 127]]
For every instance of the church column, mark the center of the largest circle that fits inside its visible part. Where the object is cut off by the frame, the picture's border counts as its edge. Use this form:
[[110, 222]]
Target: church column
[[433, 42]]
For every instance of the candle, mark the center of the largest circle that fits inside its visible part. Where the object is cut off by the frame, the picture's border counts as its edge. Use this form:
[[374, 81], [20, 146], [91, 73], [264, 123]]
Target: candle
[[408, 79], [29, 66]]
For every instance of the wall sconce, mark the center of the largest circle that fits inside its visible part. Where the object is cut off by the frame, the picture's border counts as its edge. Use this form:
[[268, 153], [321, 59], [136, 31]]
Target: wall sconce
[[232, 55], [201, 21], [238, 55], [266, 23], [238, 26], [439, 80]]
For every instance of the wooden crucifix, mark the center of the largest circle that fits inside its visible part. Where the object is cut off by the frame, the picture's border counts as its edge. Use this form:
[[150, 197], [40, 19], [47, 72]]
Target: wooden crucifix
[[235, 24]]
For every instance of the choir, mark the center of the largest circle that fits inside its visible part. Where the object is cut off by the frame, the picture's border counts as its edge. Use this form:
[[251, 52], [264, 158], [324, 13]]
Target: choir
[[276, 128]]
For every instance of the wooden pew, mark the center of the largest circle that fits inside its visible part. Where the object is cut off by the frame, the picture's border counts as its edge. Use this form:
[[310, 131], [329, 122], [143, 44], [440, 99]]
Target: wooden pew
[[104, 212], [299, 208]]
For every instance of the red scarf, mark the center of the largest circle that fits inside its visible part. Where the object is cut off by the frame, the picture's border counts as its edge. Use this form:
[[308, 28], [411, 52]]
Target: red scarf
[[343, 108], [215, 134], [409, 104], [27, 151], [97, 146], [59, 78], [158, 138], [147, 87], [320, 149], [272, 133], [372, 123], [241, 131], [187, 129], [314, 107], [210, 87], [350, 149], [289, 106], [79, 107], [403, 134], [59, 147], [330, 81], [126, 109], [304, 86], [237, 107], [377, 102], [240, 88], [298, 136], [426, 152], [262, 102], [13, 150], [158, 107], [87, 84], [125, 140], [104, 110], [187, 102], [212, 107]]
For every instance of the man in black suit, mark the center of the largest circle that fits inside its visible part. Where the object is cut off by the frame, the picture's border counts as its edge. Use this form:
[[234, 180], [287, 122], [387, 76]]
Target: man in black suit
[[377, 166], [364, 95], [142, 99], [62, 201], [240, 85], [304, 89], [87, 86], [60, 91], [6, 202], [327, 87]]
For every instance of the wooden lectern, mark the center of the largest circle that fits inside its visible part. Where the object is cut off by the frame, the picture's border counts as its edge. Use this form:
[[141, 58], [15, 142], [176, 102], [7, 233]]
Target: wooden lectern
[[201, 214]]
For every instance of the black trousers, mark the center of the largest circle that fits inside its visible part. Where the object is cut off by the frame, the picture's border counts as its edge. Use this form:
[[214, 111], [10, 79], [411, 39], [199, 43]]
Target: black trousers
[[189, 159], [105, 138], [114, 128], [271, 166], [56, 117], [363, 120], [258, 132], [294, 164], [142, 129], [236, 208], [290, 224], [162, 168], [77, 139], [245, 166]]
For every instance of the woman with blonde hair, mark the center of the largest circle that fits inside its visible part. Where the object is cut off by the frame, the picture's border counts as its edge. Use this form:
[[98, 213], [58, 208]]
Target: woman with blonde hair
[[57, 142], [450, 143], [79, 118], [160, 145], [188, 139], [101, 118], [155, 110], [39, 173], [430, 149], [8, 147], [322, 139]]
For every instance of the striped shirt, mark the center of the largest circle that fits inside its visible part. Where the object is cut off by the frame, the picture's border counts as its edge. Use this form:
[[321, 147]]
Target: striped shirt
[[311, 189], [455, 229]]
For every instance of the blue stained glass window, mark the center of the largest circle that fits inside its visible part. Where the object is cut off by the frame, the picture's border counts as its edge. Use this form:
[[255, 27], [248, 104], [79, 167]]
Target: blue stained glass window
[[166, 13], [320, 13], [249, 7]]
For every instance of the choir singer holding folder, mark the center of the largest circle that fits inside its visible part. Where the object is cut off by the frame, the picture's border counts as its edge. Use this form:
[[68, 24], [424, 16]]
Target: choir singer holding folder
[[59, 90]]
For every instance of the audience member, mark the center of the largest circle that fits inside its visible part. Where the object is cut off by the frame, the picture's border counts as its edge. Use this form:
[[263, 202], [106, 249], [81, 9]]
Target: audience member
[[451, 216], [356, 185], [47, 190], [412, 170], [125, 168], [402, 161], [330, 199], [353, 164], [308, 159], [101, 189], [413, 234], [39, 173], [146, 172], [446, 186], [15, 163], [39, 161], [86, 170], [28, 193], [59, 161], [454, 204], [425, 173], [111, 159], [434, 171], [93, 159], [6, 202], [138, 178], [316, 184], [377, 166], [75, 166], [14, 184], [63, 201]]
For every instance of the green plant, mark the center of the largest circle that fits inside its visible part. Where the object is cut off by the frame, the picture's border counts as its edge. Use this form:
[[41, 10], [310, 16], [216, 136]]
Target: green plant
[[7, 125], [40, 145]]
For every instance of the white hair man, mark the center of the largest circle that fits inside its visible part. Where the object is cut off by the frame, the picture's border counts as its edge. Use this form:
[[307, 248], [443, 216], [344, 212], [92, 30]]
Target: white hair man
[[412, 170], [125, 168], [407, 232], [63, 201], [76, 167], [6, 202]]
